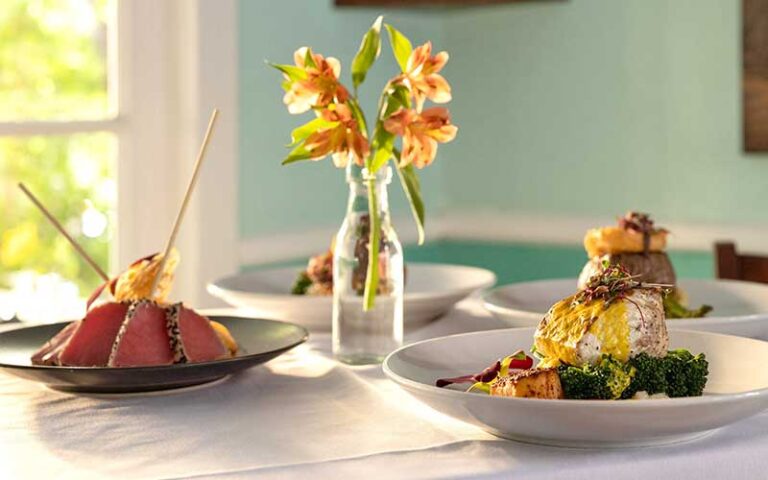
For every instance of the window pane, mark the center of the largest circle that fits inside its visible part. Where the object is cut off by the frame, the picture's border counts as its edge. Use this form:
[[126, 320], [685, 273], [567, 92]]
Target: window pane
[[73, 176], [53, 59]]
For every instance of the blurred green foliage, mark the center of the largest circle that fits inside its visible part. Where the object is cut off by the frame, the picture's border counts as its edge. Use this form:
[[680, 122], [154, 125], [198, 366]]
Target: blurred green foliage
[[53, 66], [53, 59]]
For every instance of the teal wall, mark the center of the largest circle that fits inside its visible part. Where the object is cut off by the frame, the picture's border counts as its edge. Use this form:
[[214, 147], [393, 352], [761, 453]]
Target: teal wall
[[584, 107], [274, 198], [593, 107], [589, 107], [520, 262]]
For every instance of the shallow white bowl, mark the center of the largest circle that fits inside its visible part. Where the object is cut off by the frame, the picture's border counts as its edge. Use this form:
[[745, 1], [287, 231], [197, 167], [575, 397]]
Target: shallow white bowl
[[430, 291], [735, 390], [740, 308]]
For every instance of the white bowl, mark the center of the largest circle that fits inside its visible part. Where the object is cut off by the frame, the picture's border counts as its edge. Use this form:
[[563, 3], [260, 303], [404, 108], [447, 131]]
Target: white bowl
[[430, 291], [740, 308], [736, 390]]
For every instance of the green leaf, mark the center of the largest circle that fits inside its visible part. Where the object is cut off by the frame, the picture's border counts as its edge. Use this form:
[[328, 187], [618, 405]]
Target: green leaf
[[297, 154], [385, 144], [480, 387], [401, 46], [300, 134], [369, 50], [357, 112], [403, 95], [309, 60], [409, 179], [292, 71], [399, 97]]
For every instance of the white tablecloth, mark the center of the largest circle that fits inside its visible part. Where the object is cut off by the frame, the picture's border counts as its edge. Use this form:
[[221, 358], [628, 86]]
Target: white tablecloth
[[305, 416]]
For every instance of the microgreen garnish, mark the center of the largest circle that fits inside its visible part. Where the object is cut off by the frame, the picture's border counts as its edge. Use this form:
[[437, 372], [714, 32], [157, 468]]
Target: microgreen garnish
[[614, 282]]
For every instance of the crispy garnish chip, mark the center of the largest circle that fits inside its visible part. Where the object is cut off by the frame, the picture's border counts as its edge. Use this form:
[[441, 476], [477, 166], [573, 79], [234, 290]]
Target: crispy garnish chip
[[614, 240], [226, 338], [136, 282]]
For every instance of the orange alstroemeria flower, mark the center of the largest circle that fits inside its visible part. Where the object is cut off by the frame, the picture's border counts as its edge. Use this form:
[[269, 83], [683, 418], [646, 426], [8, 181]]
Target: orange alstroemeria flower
[[342, 140], [321, 86], [422, 78], [421, 132]]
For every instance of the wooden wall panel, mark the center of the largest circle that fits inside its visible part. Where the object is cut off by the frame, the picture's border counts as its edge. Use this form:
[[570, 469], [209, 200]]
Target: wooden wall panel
[[422, 3], [755, 75]]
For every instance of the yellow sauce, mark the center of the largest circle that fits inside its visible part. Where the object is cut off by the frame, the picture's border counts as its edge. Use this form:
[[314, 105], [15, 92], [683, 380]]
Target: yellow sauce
[[557, 340], [612, 330]]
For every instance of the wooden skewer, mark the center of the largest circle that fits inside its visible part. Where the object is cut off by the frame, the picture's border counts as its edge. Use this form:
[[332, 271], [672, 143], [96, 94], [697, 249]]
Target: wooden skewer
[[657, 285], [61, 230], [185, 202]]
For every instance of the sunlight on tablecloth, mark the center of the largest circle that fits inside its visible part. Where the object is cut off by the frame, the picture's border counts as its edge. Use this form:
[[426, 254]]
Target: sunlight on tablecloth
[[303, 415], [321, 411]]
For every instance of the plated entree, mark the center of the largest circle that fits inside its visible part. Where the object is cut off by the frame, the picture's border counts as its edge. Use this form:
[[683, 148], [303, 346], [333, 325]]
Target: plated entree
[[138, 326], [608, 341], [638, 245], [317, 278]]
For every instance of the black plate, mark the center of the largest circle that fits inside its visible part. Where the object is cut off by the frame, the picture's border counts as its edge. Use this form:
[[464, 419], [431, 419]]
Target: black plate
[[259, 341]]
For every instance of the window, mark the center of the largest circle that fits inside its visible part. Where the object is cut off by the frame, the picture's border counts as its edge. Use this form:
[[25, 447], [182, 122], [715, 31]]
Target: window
[[57, 135], [103, 104]]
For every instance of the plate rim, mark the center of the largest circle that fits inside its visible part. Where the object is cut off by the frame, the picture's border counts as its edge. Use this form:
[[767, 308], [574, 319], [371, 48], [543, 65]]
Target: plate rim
[[214, 287], [562, 403], [495, 308], [176, 366]]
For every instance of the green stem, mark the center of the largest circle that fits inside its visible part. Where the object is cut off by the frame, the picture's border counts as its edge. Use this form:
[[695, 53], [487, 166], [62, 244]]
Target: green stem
[[372, 275], [355, 105], [380, 108]]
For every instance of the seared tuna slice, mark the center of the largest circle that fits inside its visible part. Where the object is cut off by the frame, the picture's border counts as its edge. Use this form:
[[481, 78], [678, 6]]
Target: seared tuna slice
[[91, 344], [143, 338], [49, 353], [197, 340]]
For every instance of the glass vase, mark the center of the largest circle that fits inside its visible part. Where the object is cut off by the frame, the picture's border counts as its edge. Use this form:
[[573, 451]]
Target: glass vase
[[363, 337]]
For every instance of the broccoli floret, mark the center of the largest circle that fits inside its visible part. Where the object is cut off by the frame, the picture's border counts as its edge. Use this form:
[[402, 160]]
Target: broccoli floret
[[650, 376], [619, 375], [686, 373], [302, 284], [604, 381], [584, 383], [674, 309], [679, 374]]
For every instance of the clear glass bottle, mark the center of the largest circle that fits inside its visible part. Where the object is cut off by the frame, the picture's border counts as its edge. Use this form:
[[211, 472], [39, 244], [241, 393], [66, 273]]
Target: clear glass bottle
[[366, 337]]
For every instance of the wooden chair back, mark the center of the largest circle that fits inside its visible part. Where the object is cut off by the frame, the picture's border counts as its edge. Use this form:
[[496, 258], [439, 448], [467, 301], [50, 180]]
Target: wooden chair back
[[736, 266]]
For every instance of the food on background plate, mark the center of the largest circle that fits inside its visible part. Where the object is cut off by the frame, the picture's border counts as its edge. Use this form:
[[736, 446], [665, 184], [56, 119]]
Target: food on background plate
[[638, 245], [609, 341], [138, 328], [317, 278]]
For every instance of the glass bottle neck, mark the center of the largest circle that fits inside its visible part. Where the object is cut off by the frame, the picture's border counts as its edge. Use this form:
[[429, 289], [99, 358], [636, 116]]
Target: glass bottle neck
[[359, 185]]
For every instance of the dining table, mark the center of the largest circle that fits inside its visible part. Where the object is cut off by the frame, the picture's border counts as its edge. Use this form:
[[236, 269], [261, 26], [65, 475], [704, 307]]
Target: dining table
[[305, 415]]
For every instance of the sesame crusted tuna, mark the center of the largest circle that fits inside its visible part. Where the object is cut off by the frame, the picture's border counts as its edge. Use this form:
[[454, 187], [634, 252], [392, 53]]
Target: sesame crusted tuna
[[143, 337]]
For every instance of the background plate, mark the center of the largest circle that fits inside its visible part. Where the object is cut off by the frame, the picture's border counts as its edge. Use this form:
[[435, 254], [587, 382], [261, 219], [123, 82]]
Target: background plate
[[735, 390], [430, 291], [740, 308], [259, 342]]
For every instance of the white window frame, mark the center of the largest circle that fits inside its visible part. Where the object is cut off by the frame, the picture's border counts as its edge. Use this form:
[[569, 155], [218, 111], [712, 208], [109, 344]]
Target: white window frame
[[176, 61]]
